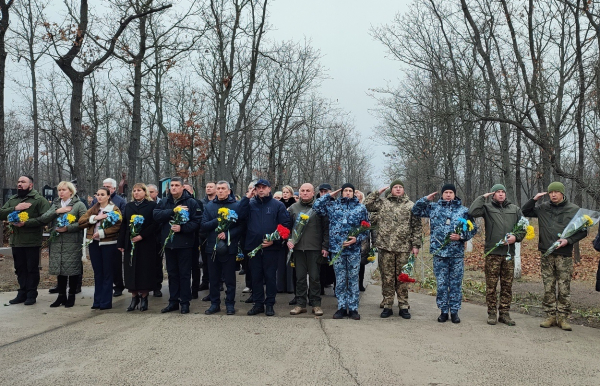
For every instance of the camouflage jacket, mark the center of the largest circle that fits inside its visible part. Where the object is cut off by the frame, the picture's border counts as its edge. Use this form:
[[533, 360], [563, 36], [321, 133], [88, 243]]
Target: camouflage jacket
[[443, 218], [344, 215], [399, 230]]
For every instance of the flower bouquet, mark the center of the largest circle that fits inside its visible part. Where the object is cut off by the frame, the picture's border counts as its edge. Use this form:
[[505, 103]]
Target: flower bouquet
[[180, 217], [240, 255], [583, 219], [364, 226], [111, 219], [297, 231], [225, 218], [282, 233], [521, 226], [409, 267], [464, 225], [61, 222], [371, 257], [16, 217], [135, 227]]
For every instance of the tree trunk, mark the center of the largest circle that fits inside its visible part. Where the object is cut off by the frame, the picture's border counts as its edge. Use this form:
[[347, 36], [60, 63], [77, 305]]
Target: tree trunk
[[4, 22], [84, 184]]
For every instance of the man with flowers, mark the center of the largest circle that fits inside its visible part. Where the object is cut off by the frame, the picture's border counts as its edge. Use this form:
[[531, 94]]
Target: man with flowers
[[310, 244], [178, 218], [399, 235], [264, 216], [223, 229], [557, 267], [26, 237], [450, 228], [500, 217]]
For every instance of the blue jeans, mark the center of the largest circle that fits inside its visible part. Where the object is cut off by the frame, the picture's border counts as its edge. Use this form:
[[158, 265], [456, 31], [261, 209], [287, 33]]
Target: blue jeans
[[449, 274], [218, 270], [179, 269], [264, 271], [102, 258]]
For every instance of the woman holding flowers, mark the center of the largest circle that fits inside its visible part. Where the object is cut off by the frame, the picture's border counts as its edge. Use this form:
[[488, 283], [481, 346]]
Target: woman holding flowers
[[345, 216], [138, 242], [221, 224], [557, 267], [65, 241], [286, 275], [103, 221], [449, 229], [501, 234]]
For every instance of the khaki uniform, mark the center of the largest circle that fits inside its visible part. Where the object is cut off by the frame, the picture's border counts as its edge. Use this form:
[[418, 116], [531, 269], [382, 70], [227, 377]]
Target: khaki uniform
[[398, 232]]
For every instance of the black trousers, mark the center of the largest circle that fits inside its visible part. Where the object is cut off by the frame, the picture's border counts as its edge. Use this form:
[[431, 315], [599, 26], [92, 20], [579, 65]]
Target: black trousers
[[598, 278], [179, 269], [62, 284], [264, 274], [226, 270], [246, 267], [117, 271], [26, 261], [159, 270]]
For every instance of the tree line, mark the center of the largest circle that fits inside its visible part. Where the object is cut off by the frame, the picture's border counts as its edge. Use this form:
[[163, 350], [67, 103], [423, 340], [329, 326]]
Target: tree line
[[495, 92], [152, 89]]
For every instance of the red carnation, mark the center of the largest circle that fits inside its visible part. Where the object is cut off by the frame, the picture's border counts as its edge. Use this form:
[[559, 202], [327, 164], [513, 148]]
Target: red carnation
[[284, 233], [365, 224], [404, 278]]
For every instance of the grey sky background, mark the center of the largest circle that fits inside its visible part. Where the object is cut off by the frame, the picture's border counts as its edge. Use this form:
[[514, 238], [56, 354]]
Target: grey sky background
[[355, 62]]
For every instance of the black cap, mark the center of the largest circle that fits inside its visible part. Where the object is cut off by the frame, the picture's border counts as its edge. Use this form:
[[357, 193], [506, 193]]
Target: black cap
[[325, 186], [348, 185], [449, 187], [264, 182]]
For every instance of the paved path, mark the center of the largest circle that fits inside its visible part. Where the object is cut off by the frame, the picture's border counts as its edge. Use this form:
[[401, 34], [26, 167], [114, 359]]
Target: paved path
[[78, 346]]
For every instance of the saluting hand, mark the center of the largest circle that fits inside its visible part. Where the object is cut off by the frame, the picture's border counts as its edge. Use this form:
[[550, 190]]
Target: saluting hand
[[431, 196], [383, 189], [488, 194], [335, 193], [539, 195]]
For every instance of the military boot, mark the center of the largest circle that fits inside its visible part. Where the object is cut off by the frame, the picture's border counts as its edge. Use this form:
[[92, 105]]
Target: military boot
[[561, 321], [491, 318], [549, 322], [505, 318]]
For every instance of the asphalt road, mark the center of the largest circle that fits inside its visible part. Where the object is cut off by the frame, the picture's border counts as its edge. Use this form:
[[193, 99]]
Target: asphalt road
[[40, 345]]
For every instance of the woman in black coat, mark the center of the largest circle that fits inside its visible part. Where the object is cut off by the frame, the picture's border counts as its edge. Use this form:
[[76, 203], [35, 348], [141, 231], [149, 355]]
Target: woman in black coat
[[140, 269]]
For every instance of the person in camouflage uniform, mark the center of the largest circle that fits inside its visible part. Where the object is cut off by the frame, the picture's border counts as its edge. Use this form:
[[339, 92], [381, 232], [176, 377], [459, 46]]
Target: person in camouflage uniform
[[448, 262], [500, 217], [344, 214], [399, 236], [557, 267]]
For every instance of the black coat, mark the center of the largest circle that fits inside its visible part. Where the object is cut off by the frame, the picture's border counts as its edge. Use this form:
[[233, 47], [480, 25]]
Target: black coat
[[164, 213], [263, 216], [141, 274], [209, 224]]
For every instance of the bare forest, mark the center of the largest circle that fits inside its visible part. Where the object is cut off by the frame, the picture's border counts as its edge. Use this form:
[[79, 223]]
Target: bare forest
[[495, 91], [154, 89]]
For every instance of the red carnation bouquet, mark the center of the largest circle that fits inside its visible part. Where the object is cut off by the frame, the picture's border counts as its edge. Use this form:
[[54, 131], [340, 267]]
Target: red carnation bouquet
[[282, 233], [404, 278], [364, 226]]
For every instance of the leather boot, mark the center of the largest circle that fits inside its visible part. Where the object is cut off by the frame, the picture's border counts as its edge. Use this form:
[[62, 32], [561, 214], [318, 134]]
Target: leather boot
[[549, 322], [505, 318], [561, 321], [144, 303], [70, 301], [62, 299], [134, 303]]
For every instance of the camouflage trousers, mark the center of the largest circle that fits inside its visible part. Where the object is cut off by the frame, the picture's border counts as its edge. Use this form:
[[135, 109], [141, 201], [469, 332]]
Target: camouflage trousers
[[556, 272], [346, 269], [449, 273], [391, 264], [498, 268]]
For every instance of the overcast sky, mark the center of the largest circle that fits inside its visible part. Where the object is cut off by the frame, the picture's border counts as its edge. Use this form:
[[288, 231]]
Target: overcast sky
[[354, 60]]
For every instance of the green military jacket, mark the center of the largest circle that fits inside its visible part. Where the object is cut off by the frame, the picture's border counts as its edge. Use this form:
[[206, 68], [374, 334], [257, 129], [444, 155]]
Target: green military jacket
[[552, 220], [29, 235], [315, 236], [500, 219], [398, 230]]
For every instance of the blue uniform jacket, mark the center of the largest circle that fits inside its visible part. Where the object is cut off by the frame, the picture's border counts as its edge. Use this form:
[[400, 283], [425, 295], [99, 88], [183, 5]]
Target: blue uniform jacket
[[210, 223], [164, 214], [344, 215], [444, 217], [263, 216]]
